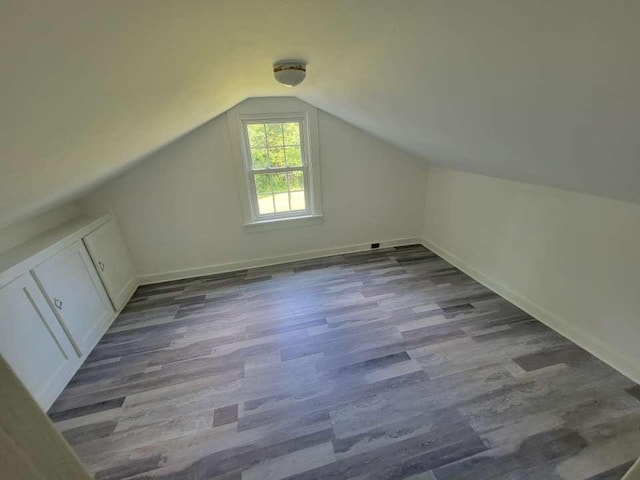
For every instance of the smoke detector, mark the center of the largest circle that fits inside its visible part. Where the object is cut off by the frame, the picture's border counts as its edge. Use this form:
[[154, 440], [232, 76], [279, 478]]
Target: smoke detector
[[290, 73]]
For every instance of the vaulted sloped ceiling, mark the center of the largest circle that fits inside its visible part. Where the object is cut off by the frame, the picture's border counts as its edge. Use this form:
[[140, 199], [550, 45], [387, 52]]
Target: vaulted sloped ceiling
[[540, 91]]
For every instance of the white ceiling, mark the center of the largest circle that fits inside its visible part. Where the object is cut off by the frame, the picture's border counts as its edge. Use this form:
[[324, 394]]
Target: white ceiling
[[540, 91]]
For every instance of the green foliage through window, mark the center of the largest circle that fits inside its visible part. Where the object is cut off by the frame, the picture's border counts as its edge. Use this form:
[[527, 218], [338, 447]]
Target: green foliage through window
[[277, 145], [274, 145]]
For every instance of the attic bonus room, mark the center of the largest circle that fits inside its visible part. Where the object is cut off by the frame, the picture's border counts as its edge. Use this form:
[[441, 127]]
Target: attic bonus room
[[337, 239]]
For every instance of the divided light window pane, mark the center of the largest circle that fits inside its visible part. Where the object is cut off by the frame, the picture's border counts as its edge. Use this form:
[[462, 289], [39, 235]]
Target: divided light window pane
[[280, 192], [273, 146]]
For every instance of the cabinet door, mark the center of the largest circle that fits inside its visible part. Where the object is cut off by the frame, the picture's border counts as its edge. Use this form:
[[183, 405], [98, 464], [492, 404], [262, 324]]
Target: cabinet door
[[111, 258], [73, 289], [33, 342]]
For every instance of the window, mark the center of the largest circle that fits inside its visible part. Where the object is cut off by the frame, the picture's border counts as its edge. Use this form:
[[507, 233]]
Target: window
[[277, 160], [277, 167]]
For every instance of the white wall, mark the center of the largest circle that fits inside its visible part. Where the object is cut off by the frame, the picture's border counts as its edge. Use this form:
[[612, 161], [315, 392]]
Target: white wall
[[30, 446], [20, 232], [572, 260], [88, 87], [180, 209]]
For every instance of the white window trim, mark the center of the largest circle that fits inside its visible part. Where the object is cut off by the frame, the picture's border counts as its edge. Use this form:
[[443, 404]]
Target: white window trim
[[269, 109], [299, 118]]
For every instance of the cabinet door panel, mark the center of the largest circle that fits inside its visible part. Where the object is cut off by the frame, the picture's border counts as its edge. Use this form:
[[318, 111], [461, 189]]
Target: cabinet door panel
[[33, 342], [71, 284], [113, 263]]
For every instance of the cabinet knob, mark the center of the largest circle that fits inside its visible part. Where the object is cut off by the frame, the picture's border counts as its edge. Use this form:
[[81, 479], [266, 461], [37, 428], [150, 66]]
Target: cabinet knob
[[58, 303], [101, 266]]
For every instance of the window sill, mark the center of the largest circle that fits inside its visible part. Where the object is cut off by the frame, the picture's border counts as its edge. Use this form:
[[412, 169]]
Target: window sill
[[278, 223]]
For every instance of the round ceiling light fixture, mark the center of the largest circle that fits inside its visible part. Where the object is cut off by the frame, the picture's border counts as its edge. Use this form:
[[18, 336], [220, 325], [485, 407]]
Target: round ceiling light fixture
[[290, 73]]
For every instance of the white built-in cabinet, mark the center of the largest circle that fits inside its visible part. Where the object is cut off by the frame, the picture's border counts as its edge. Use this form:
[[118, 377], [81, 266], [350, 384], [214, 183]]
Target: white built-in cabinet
[[58, 295], [32, 340], [111, 258], [72, 287]]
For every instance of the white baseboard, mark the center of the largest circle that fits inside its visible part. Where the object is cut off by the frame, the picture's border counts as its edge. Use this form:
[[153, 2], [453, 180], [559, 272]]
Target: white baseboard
[[267, 261], [634, 472], [604, 352]]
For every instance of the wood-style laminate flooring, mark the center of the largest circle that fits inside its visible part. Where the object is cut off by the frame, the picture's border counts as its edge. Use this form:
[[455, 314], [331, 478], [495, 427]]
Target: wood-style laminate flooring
[[385, 364]]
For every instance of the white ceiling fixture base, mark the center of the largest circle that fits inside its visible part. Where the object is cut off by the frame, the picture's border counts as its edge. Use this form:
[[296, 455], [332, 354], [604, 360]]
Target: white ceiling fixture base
[[290, 73]]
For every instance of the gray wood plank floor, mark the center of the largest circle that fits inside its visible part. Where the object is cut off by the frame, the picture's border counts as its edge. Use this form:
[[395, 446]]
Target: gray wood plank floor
[[385, 364]]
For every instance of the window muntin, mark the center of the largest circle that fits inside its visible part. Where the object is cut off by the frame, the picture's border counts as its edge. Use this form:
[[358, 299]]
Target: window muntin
[[277, 164]]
